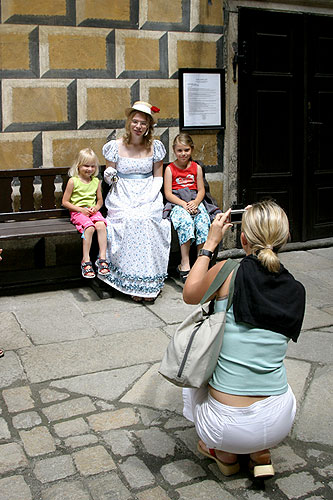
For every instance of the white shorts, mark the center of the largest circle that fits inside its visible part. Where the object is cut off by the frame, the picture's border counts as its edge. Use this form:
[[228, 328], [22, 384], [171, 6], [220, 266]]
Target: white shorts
[[253, 428]]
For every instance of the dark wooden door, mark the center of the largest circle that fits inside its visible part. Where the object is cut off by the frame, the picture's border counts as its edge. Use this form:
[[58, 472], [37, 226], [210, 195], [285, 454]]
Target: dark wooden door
[[286, 116]]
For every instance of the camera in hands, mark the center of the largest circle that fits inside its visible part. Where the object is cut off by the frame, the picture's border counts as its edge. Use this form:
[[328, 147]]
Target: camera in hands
[[236, 216]]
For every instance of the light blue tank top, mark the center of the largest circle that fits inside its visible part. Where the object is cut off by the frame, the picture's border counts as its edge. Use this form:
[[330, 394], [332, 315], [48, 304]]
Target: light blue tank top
[[251, 359]]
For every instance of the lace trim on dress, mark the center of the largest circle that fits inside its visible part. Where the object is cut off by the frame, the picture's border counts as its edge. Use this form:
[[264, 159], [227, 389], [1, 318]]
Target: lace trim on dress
[[110, 151]]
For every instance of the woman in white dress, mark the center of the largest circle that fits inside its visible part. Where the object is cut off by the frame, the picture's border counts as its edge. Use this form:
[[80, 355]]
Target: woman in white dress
[[138, 237]]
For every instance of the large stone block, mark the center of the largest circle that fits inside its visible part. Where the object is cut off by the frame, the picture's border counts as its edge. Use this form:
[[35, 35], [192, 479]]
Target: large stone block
[[14, 49], [192, 50], [37, 104], [206, 16], [117, 10], [160, 15], [161, 11], [38, 11], [17, 150], [140, 54], [101, 101], [216, 187], [61, 148], [35, 8], [74, 51], [164, 95]]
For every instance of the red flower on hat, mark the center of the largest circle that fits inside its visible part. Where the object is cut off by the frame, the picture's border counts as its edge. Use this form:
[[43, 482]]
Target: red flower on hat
[[155, 109]]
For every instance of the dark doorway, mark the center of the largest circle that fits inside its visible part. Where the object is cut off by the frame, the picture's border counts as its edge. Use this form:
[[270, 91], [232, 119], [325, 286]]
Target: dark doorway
[[286, 116]]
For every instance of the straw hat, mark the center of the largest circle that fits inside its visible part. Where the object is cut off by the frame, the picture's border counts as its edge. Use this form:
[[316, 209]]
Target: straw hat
[[143, 107]]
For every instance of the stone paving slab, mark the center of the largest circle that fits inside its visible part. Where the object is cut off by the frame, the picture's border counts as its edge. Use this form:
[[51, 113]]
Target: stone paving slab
[[156, 392], [170, 306], [313, 346], [11, 370], [18, 399], [11, 334], [123, 320], [319, 402], [61, 360], [297, 374], [107, 385], [318, 294], [66, 491], [12, 457], [316, 318], [294, 261], [14, 488], [56, 313], [326, 253]]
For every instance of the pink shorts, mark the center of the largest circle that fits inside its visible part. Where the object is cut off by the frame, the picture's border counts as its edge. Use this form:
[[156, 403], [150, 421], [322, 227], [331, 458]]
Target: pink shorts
[[81, 221]]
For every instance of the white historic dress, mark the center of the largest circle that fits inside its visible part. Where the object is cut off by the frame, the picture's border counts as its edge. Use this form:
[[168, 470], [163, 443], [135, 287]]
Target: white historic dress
[[138, 237]]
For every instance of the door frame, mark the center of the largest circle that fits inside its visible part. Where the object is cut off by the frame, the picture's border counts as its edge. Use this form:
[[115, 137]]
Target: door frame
[[230, 154]]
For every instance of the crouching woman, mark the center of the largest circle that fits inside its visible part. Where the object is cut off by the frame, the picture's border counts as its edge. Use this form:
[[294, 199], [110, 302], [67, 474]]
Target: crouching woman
[[248, 406]]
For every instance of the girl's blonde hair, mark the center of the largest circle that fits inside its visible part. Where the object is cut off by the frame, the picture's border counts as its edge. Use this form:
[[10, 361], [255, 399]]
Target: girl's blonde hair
[[266, 228], [85, 157], [183, 138], [147, 137]]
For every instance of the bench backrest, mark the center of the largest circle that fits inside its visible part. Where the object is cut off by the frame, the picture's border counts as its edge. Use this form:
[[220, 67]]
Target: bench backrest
[[33, 193], [36, 193]]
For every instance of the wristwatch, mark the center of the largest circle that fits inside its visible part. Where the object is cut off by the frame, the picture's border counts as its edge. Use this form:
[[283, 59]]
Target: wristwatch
[[206, 253]]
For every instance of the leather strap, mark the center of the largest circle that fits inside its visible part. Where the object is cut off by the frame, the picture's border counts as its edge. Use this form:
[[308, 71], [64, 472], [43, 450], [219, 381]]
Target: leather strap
[[222, 275]]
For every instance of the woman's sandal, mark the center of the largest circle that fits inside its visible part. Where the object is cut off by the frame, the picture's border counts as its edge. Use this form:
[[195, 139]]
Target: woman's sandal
[[87, 269], [226, 469], [261, 471], [135, 298], [102, 265], [1, 353], [183, 274]]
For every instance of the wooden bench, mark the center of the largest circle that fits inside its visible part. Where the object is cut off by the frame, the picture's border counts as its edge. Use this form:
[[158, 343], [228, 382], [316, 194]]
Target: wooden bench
[[30, 209], [50, 247]]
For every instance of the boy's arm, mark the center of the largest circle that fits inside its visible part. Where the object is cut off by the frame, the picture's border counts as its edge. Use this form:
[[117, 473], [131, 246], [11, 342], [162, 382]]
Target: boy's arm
[[168, 190]]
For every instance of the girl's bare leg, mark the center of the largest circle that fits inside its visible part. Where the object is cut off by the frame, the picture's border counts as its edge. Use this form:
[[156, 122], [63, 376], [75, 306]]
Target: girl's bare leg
[[102, 238], [185, 256], [88, 234]]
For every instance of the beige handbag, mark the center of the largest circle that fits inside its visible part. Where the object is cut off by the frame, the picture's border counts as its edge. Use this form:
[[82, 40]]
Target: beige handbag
[[192, 353]]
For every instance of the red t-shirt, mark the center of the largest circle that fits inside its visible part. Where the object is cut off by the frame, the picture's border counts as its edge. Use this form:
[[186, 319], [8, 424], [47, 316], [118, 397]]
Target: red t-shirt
[[184, 177]]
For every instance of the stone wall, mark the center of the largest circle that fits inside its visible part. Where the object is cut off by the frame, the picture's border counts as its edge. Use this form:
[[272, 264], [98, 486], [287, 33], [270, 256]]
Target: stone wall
[[69, 68]]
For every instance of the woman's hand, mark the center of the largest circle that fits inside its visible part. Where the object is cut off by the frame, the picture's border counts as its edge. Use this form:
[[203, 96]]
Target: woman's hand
[[219, 227]]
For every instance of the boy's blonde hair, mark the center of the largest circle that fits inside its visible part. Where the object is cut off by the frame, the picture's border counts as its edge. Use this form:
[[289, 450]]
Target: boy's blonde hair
[[183, 138], [266, 228], [148, 138], [85, 157]]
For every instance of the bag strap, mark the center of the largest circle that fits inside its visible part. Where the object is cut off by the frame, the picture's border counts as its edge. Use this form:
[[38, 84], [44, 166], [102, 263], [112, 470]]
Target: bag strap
[[231, 289], [222, 275]]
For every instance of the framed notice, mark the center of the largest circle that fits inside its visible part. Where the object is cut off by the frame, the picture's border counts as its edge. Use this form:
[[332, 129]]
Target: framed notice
[[201, 99]]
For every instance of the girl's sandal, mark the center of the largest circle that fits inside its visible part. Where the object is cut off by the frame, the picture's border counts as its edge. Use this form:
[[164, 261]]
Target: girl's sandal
[[1, 353], [102, 267], [87, 270], [226, 469], [261, 471], [183, 274]]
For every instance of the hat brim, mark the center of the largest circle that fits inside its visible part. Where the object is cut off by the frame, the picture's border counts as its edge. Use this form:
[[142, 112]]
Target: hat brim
[[129, 110]]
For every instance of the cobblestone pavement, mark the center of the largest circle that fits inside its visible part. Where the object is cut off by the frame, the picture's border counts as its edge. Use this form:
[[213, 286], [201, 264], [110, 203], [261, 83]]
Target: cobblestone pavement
[[84, 414]]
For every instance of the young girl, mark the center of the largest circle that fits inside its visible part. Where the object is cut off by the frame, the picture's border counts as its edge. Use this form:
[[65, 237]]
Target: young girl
[[184, 188], [83, 198]]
